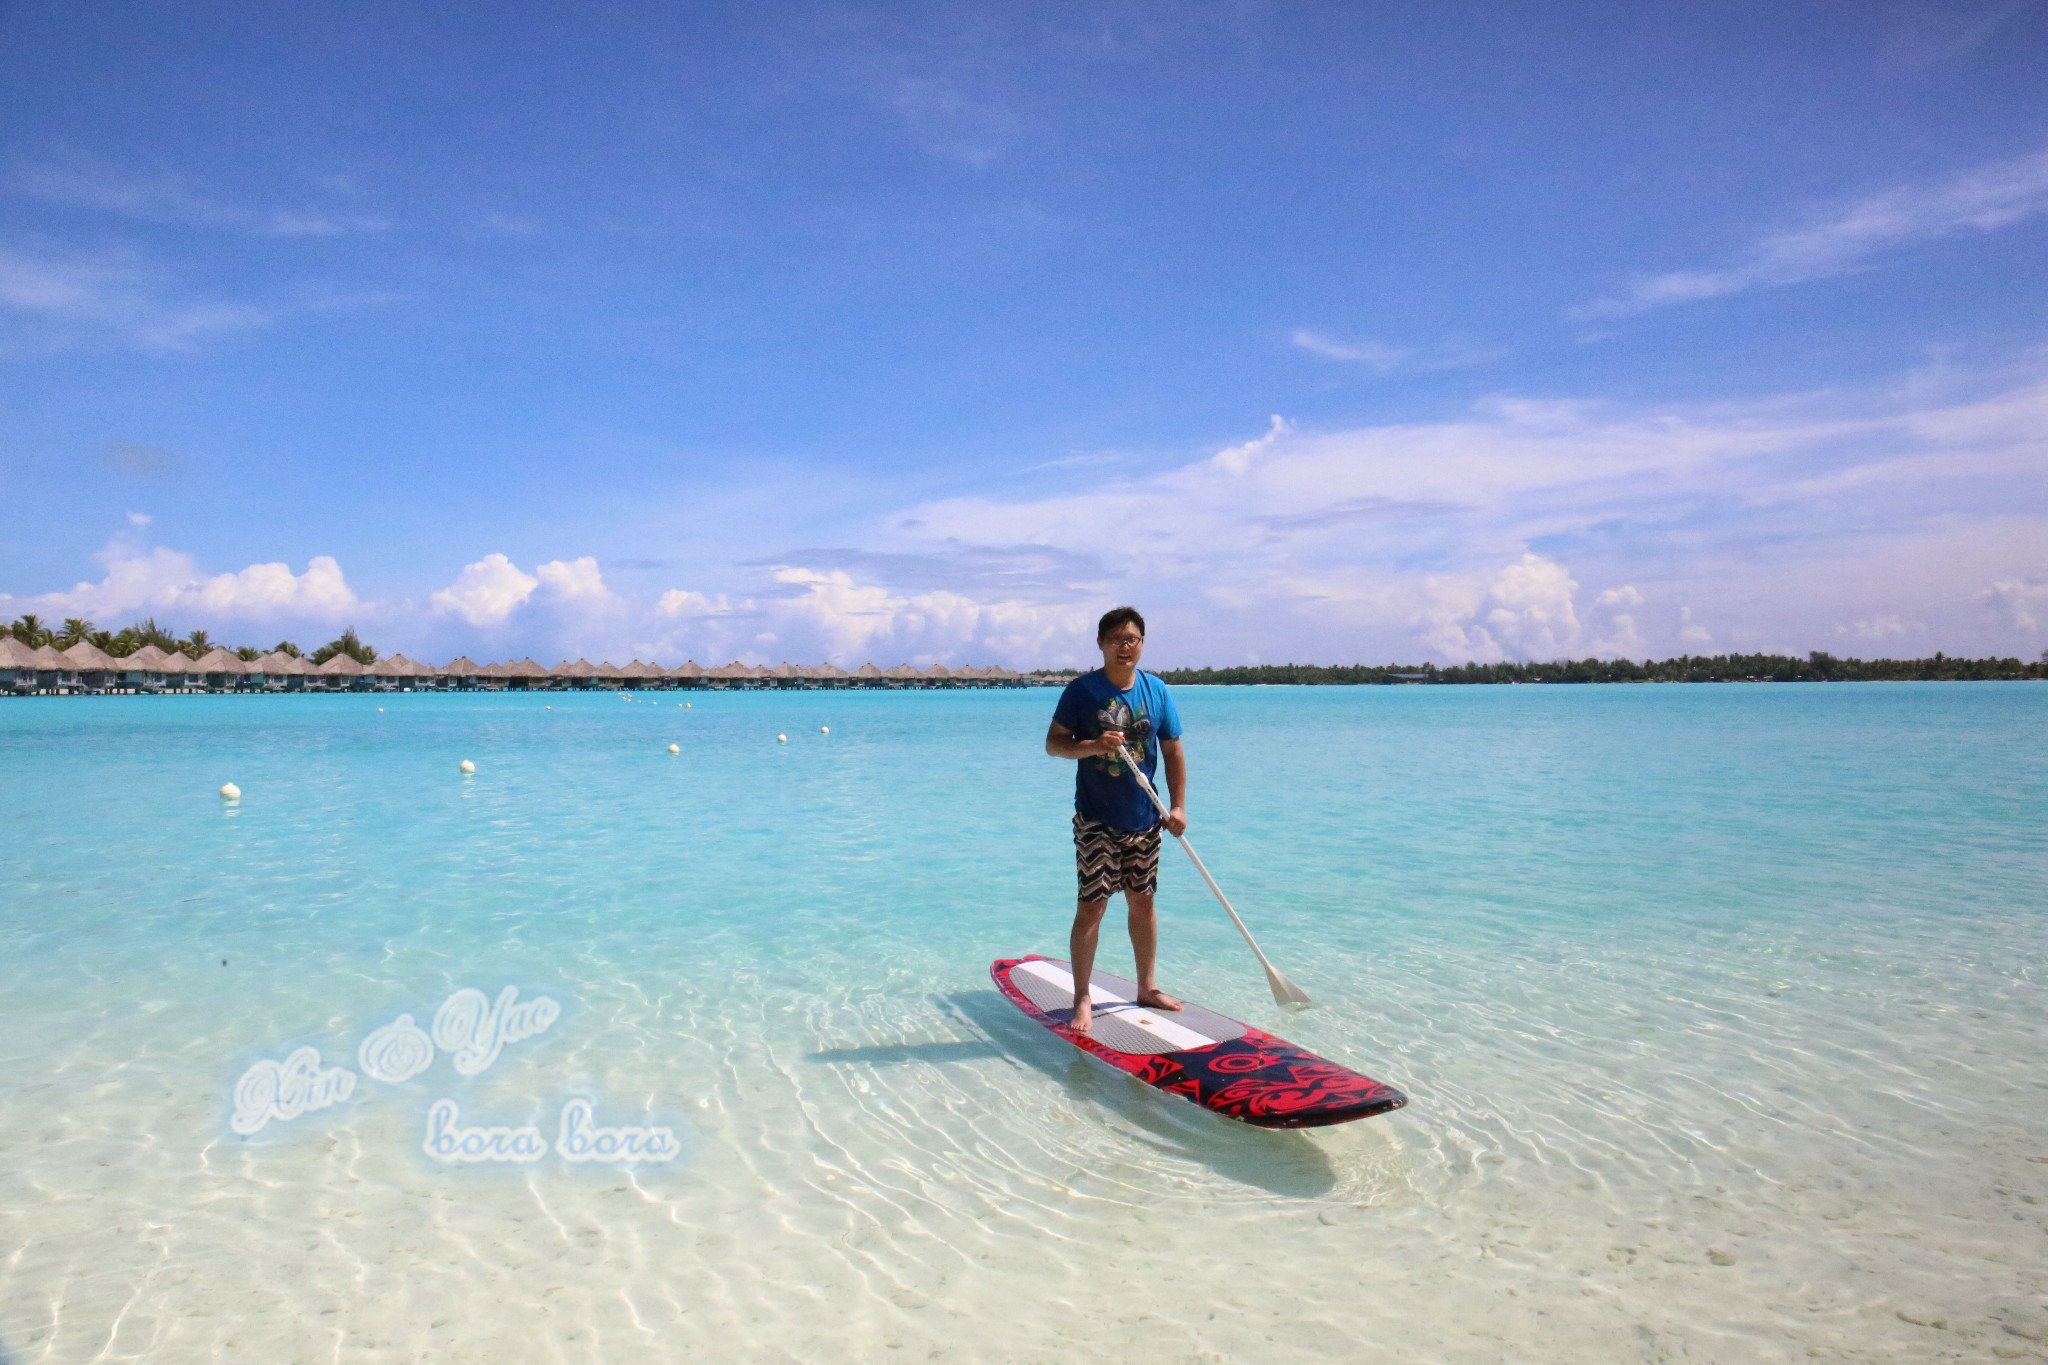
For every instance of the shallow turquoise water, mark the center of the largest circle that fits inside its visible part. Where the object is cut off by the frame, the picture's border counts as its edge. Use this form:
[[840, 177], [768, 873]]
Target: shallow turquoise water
[[1720, 1010]]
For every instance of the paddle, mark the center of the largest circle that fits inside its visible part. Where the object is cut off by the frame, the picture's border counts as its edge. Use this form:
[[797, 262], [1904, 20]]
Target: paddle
[[1285, 992]]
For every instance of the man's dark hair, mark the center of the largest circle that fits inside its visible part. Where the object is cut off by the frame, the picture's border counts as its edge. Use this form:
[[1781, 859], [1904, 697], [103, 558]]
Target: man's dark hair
[[1119, 616]]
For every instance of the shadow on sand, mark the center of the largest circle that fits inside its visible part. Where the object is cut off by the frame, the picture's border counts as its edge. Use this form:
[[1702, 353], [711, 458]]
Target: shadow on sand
[[1288, 1164]]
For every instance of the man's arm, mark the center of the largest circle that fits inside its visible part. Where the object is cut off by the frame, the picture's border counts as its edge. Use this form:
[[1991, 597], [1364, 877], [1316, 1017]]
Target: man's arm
[[1176, 820], [1061, 743]]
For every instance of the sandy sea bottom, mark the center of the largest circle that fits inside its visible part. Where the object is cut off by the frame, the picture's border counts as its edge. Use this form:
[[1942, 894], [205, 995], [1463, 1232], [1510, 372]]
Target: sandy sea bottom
[[1720, 1010]]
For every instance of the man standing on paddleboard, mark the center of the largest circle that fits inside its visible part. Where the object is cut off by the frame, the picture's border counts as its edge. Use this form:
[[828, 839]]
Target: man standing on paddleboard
[[1116, 826]]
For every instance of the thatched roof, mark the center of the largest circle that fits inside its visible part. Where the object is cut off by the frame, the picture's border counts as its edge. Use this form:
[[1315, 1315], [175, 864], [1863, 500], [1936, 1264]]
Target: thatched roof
[[636, 669], [340, 666], [689, 668], [87, 658], [150, 659], [219, 660], [463, 667], [902, 672], [867, 670], [278, 664], [15, 654], [937, 671], [582, 668]]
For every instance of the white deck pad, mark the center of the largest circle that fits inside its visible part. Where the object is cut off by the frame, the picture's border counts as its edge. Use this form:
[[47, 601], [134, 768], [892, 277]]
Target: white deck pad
[[1120, 1023]]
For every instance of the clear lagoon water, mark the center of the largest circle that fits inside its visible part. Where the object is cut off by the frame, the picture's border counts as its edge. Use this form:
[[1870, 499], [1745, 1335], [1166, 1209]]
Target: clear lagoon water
[[1721, 1012]]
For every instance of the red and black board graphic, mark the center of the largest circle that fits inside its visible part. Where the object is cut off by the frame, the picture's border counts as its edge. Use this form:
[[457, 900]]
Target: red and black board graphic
[[1257, 1079]]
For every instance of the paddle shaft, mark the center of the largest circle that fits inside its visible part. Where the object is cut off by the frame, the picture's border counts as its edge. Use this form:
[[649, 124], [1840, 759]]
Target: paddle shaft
[[1284, 991]]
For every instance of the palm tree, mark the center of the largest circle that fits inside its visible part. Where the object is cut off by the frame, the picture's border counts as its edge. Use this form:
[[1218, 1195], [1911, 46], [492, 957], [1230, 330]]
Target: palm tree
[[30, 630], [346, 643], [148, 632], [287, 647], [196, 644], [76, 630], [248, 655]]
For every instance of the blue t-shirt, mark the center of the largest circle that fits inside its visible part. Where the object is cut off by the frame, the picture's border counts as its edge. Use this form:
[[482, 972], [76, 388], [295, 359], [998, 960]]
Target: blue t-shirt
[[1103, 791]]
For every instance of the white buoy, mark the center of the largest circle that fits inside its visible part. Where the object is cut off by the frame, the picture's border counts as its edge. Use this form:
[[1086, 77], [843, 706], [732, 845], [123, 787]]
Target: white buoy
[[230, 792], [824, 729], [688, 707], [675, 748], [782, 739], [547, 708], [380, 710], [468, 766]]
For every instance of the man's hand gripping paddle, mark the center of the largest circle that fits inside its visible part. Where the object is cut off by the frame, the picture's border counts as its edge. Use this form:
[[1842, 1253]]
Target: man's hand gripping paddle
[[1285, 992]]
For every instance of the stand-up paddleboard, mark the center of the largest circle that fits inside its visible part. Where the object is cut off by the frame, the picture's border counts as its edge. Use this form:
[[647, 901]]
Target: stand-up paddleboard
[[1225, 1066]]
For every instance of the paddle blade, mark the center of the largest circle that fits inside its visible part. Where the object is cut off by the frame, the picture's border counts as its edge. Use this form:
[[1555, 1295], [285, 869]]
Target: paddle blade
[[1285, 992]]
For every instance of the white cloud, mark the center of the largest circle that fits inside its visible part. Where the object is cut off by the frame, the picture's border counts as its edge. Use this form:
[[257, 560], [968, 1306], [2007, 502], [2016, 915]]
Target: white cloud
[[2019, 605], [1527, 612], [167, 198], [487, 592], [1877, 629], [1375, 355], [1375, 540], [87, 298], [1690, 632], [142, 580], [851, 619], [138, 519], [1237, 459], [574, 580], [681, 602], [1383, 358], [1981, 199]]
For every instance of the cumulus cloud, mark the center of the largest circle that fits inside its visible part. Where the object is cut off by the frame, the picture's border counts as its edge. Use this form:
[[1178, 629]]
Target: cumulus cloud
[[143, 579], [488, 591], [1981, 199], [2019, 605], [682, 602], [1527, 612], [574, 580], [1376, 540]]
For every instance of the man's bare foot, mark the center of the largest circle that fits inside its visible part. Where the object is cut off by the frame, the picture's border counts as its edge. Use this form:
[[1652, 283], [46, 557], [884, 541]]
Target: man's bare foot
[[1084, 1015], [1158, 1000]]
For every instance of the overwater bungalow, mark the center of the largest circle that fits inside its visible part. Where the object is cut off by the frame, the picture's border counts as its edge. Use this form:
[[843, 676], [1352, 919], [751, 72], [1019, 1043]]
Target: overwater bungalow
[[278, 671], [150, 669], [19, 666], [217, 670], [339, 674]]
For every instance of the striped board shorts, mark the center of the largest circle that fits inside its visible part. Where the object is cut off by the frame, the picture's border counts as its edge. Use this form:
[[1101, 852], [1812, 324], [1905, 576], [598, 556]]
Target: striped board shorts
[[1109, 860]]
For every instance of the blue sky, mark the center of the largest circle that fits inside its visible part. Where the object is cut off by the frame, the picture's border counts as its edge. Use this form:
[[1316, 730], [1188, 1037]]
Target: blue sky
[[926, 332]]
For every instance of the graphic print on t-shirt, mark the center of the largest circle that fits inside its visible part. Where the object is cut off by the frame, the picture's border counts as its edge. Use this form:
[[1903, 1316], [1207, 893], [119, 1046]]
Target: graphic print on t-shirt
[[1137, 730]]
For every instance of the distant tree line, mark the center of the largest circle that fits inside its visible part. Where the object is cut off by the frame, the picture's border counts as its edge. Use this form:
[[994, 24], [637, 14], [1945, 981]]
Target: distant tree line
[[1818, 666], [34, 632]]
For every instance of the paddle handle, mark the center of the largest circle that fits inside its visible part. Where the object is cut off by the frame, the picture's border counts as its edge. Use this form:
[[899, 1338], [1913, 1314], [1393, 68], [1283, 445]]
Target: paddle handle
[[1284, 991]]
